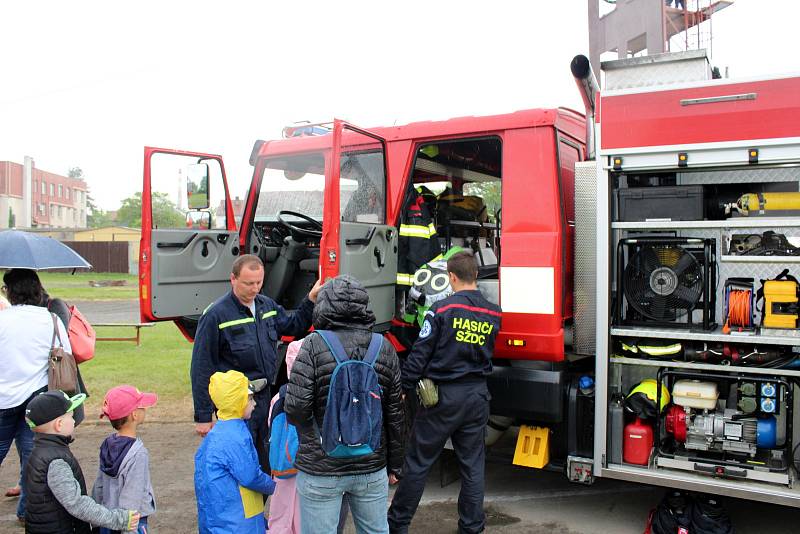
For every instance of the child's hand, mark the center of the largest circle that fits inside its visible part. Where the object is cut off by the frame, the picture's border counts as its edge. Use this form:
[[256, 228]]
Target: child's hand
[[133, 520], [203, 428]]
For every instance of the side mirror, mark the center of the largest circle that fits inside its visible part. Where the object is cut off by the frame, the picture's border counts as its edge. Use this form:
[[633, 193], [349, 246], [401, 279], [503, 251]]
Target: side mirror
[[197, 186], [199, 219]]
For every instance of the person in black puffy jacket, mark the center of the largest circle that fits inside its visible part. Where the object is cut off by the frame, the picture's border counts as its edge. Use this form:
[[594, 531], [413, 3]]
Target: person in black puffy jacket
[[322, 480]]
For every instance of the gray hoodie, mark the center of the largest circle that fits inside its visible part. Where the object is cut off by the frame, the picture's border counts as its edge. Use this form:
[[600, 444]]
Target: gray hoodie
[[123, 479]]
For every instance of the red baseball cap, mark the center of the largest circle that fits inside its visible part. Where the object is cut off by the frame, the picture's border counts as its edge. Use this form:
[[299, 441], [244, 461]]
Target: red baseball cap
[[121, 401]]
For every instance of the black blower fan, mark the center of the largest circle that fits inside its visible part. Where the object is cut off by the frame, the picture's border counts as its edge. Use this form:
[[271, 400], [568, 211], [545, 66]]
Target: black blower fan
[[664, 280]]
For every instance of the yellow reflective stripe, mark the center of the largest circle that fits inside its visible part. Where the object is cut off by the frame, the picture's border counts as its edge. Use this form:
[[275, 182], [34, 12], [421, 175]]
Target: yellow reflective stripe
[[404, 279], [661, 351], [411, 230], [431, 230], [267, 315], [237, 321], [630, 348]]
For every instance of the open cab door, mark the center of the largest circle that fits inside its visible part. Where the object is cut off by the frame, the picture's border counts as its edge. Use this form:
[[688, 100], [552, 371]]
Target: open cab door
[[189, 239], [356, 238]]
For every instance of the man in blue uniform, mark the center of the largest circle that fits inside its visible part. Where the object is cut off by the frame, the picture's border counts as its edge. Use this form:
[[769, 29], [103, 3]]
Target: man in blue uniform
[[454, 349], [240, 332]]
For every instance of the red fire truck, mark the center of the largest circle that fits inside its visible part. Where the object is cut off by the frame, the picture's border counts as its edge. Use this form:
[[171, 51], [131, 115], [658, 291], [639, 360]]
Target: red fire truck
[[611, 270]]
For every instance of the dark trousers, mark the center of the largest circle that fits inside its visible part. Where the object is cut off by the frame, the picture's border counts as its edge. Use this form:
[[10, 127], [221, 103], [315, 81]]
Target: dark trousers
[[461, 415], [259, 427], [14, 428]]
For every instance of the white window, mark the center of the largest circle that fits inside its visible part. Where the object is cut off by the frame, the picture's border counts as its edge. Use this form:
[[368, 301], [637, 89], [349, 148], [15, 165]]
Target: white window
[[60, 211], [60, 190], [52, 210], [52, 190], [41, 209], [44, 187], [67, 195]]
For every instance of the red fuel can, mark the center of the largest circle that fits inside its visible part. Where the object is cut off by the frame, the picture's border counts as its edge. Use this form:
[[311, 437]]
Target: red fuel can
[[637, 442]]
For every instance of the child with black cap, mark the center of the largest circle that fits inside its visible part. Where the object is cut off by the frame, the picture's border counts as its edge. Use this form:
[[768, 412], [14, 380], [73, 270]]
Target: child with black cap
[[57, 499]]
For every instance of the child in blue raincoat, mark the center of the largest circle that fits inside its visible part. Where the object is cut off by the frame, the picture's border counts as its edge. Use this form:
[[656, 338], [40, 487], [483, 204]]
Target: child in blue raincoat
[[228, 481]]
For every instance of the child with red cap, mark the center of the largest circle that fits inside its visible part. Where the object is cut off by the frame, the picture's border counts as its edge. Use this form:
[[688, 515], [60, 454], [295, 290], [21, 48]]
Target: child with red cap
[[123, 479]]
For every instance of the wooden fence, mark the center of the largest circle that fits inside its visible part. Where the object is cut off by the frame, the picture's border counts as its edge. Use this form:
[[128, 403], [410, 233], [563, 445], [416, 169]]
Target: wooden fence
[[105, 256]]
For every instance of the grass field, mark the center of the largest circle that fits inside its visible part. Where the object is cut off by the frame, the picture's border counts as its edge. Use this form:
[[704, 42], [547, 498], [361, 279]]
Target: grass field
[[76, 286], [160, 365]]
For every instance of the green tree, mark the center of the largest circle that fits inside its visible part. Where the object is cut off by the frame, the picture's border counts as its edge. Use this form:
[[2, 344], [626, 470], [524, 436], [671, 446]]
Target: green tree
[[96, 217], [165, 213], [491, 194], [76, 173]]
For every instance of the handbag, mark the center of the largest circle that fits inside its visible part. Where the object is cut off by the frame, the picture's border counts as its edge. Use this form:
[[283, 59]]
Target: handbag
[[62, 372]]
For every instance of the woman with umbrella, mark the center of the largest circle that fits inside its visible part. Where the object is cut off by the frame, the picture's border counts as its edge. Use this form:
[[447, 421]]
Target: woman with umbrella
[[26, 333]]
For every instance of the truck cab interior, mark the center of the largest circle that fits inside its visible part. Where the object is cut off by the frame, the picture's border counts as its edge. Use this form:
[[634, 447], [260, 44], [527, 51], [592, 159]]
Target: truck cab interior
[[460, 183], [287, 225]]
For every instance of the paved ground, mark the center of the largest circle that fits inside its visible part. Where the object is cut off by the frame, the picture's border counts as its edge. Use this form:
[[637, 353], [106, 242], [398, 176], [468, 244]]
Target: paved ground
[[114, 311], [518, 500]]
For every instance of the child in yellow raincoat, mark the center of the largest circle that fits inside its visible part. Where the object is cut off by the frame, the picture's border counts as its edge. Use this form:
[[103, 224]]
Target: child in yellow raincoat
[[228, 480]]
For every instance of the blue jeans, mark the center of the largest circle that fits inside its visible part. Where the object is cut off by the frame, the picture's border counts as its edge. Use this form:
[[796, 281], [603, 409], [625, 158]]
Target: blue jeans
[[321, 499], [13, 427]]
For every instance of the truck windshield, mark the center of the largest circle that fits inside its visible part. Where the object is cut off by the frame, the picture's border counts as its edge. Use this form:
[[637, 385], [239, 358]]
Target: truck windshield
[[294, 183], [297, 183]]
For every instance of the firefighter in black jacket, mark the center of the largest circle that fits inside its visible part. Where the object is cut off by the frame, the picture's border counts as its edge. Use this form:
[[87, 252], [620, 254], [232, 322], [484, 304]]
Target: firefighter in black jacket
[[417, 241], [454, 349]]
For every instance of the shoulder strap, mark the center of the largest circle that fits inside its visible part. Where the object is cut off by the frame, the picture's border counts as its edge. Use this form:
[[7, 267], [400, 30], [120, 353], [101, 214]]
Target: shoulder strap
[[374, 350], [334, 345], [56, 334]]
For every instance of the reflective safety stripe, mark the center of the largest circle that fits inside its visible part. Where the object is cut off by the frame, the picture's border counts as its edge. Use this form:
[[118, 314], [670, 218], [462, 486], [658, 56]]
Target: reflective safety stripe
[[207, 308], [237, 321], [630, 348], [661, 351], [404, 279], [267, 315], [413, 230]]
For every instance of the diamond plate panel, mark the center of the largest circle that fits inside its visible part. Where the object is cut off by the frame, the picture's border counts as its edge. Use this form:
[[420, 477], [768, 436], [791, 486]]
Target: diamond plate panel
[[585, 300], [778, 174], [655, 70]]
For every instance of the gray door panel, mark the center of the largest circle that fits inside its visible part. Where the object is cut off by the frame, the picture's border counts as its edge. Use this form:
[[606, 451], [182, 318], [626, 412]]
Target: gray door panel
[[376, 270], [190, 269]]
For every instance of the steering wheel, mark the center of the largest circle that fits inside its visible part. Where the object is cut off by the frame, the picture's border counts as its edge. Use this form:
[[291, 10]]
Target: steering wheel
[[299, 231]]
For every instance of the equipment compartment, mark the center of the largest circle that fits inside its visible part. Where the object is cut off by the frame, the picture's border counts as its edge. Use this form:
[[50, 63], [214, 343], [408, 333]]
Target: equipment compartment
[[676, 203]]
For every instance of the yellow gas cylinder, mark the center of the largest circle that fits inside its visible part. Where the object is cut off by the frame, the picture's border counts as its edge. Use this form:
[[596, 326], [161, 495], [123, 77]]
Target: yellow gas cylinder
[[768, 202]]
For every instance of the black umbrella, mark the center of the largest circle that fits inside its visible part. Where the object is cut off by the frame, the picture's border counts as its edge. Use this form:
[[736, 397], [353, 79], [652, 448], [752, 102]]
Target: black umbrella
[[24, 250]]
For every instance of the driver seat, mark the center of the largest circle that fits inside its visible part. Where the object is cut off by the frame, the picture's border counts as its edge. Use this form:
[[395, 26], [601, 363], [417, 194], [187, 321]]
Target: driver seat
[[311, 262]]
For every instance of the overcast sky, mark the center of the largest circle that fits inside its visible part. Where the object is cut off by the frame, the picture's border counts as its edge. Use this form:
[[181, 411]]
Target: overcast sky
[[90, 84]]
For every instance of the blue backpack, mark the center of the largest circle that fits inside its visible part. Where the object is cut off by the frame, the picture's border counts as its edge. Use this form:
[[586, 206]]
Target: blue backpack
[[354, 414], [283, 441]]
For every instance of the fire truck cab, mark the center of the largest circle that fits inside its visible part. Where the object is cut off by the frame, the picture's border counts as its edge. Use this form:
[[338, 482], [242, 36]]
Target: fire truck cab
[[329, 200]]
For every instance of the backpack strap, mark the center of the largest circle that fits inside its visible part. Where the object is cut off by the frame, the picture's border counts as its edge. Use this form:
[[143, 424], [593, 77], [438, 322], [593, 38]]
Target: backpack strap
[[374, 350], [334, 345], [336, 348]]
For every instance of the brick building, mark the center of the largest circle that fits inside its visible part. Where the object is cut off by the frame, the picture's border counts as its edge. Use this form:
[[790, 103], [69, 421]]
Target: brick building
[[55, 201]]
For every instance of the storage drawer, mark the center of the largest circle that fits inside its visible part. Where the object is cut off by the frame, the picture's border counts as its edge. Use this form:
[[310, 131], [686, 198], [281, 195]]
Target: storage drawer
[[677, 203]]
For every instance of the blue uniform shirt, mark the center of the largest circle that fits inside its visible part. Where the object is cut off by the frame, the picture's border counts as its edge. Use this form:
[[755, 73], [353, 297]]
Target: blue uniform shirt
[[229, 337], [456, 340]]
